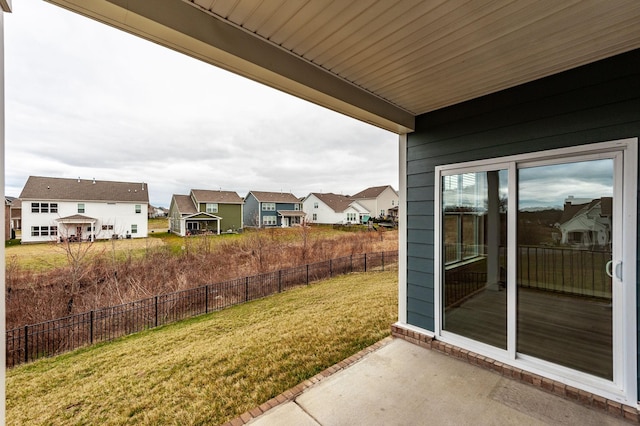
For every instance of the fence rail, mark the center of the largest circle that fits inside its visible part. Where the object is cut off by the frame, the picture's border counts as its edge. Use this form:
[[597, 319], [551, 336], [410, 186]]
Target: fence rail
[[31, 342]]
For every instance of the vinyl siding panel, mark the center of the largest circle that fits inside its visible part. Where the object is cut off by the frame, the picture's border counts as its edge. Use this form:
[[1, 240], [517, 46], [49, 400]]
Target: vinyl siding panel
[[231, 215], [594, 103]]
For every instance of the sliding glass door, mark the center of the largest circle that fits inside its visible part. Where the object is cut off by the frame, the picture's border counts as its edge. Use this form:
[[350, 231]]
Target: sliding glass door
[[533, 251], [565, 242], [474, 207]]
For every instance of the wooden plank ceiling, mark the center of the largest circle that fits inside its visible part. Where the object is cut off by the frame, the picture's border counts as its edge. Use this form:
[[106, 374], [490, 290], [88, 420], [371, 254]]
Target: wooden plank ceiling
[[385, 61]]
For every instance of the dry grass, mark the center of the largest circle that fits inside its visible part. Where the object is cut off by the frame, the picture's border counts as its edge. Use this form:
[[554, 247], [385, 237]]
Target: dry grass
[[116, 272], [47, 256], [210, 369]]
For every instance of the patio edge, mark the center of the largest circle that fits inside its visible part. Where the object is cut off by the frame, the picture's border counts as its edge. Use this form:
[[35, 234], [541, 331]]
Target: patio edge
[[294, 392], [584, 398]]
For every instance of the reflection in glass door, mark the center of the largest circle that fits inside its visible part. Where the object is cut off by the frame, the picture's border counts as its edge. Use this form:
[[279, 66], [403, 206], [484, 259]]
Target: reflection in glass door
[[474, 296], [564, 297]]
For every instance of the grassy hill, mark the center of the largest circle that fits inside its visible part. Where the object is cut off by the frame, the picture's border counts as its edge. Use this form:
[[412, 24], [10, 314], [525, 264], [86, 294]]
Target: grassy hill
[[212, 368]]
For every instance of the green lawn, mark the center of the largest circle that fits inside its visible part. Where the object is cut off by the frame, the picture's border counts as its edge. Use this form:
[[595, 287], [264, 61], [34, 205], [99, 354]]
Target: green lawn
[[210, 369]]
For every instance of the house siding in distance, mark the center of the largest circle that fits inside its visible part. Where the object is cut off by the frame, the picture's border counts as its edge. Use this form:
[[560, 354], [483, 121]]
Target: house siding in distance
[[58, 208]]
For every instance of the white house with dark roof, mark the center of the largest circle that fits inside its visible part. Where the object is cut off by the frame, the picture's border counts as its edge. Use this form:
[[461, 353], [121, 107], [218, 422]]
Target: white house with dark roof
[[378, 200], [269, 209], [587, 224], [205, 211], [55, 209], [329, 208]]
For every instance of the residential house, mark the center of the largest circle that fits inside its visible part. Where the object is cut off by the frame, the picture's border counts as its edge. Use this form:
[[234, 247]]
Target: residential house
[[156, 212], [205, 211], [269, 209], [16, 214], [498, 95], [587, 225], [54, 209], [331, 208], [378, 200]]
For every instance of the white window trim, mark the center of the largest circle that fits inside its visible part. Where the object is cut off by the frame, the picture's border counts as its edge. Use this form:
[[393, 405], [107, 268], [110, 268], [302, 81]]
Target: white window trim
[[623, 388]]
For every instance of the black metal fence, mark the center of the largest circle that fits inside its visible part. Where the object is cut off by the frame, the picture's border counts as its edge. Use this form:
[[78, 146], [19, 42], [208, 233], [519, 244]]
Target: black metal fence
[[31, 342]]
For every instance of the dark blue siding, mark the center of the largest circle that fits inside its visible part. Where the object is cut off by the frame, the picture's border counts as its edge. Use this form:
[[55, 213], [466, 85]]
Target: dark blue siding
[[594, 103]]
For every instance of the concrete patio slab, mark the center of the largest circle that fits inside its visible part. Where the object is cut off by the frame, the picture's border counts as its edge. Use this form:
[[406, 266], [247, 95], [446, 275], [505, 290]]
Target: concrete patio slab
[[404, 384]]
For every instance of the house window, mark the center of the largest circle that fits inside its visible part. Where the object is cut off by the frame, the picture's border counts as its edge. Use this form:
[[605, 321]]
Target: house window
[[44, 231], [107, 227], [269, 207], [80, 207], [393, 203], [315, 216], [44, 207], [138, 208], [315, 205], [212, 208], [351, 217], [269, 220], [35, 207], [296, 207], [134, 229], [53, 207]]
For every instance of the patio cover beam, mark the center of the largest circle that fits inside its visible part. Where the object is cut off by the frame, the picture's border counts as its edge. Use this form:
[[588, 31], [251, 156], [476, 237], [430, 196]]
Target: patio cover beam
[[186, 29]]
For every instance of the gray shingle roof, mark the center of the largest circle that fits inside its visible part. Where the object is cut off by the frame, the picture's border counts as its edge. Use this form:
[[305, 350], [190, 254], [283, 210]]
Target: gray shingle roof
[[48, 188], [185, 205], [274, 197], [209, 196], [337, 202], [372, 192]]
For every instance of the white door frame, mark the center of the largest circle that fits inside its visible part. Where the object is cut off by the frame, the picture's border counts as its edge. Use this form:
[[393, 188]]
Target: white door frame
[[623, 387]]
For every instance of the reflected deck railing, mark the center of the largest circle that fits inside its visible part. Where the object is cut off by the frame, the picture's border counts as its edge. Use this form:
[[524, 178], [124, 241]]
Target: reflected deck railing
[[576, 272]]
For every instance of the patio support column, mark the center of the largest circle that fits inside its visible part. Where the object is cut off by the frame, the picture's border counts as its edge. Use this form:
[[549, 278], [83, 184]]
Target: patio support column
[[218, 226], [493, 231], [402, 229]]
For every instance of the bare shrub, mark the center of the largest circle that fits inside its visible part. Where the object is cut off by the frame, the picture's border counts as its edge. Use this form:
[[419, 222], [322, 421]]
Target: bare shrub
[[108, 278]]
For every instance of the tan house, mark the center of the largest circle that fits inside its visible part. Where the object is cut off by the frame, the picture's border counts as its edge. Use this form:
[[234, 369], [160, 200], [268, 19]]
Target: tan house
[[378, 200]]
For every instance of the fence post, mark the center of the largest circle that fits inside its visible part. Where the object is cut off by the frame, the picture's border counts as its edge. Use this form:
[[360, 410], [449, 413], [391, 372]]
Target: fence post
[[382, 261], [330, 268], [280, 281], [307, 274], [156, 303], [351, 262], [91, 327], [26, 343], [206, 299], [246, 289], [365, 262]]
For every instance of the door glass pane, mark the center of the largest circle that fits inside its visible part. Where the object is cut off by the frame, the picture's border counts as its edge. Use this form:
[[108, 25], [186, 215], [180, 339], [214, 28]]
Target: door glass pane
[[474, 237], [564, 243]]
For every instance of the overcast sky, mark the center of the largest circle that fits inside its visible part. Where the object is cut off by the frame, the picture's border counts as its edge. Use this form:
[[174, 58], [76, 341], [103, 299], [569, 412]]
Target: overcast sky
[[87, 100]]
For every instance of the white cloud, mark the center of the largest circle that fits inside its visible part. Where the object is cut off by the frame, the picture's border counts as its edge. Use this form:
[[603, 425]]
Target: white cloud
[[84, 99]]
